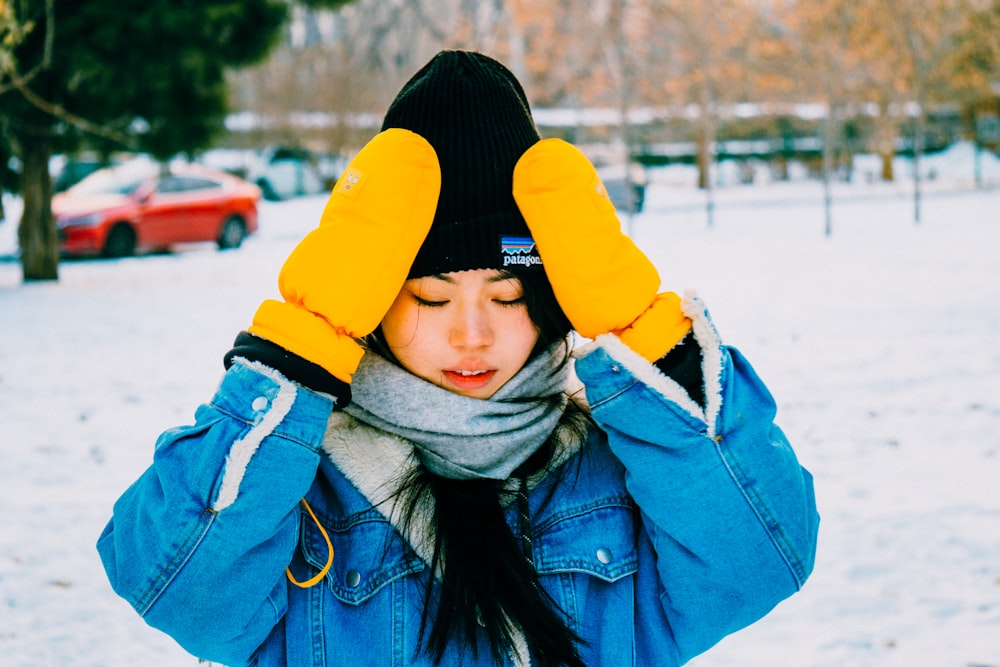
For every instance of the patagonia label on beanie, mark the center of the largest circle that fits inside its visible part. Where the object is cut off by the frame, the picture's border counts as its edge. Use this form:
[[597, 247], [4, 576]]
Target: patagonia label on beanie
[[518, 252]]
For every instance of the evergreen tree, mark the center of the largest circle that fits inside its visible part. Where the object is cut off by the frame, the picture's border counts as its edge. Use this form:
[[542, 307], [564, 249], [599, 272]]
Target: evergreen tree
[[143, 75]]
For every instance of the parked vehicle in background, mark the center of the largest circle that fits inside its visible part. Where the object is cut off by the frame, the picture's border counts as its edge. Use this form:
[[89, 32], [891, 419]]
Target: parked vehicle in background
[[142, 206], [68, 170], [284, 173], [280, 172]]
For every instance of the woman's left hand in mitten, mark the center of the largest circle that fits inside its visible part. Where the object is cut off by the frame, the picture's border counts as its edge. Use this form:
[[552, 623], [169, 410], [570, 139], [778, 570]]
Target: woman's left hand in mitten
[[603, 282]]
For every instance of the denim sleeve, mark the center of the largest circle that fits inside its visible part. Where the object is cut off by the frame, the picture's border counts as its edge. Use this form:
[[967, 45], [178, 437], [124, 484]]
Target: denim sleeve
[[198, 545], [723, 499]]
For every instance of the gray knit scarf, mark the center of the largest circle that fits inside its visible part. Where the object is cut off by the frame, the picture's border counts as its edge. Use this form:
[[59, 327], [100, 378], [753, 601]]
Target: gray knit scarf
[[460, 437]]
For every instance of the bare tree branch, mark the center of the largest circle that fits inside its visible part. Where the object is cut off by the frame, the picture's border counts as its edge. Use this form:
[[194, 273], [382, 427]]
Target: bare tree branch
[[74, 120], [43, 64]]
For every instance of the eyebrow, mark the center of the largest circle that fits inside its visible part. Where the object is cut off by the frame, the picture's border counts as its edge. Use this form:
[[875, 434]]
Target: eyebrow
[[498, 278]]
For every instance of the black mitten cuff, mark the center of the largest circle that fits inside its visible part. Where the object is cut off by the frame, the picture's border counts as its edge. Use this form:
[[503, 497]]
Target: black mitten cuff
[[292, 366], [683, 365]]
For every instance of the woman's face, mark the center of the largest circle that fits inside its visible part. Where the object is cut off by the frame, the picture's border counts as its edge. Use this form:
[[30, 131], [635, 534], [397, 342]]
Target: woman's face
[[468, 331]]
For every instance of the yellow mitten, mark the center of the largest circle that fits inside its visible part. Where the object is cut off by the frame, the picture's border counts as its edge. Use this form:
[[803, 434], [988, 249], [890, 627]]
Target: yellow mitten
[[603, 282], [341, 279]]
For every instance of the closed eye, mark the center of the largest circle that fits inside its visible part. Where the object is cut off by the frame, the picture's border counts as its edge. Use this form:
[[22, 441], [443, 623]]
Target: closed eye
[[509, 303], [428, 303]]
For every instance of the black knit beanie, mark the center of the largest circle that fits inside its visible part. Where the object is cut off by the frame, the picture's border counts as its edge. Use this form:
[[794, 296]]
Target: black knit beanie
[[475, 114]]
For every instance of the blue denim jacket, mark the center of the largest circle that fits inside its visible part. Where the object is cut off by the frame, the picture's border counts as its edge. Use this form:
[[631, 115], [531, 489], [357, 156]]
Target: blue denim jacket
[[673, 526]]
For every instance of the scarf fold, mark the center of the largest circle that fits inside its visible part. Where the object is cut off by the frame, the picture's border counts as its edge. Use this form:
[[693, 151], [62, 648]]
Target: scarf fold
[[456, 436]]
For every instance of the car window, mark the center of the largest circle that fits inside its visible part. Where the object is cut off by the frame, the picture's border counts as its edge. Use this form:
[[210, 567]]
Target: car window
[[188, 183], [175, 184], [127, 188], [168, 184], [106, 186], [120, 180]]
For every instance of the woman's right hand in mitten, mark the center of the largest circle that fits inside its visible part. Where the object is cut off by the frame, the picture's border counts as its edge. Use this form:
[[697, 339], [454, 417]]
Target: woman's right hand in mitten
[[341, 279]]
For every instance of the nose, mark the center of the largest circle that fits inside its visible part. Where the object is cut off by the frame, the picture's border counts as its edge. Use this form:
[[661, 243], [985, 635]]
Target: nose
[[471, 327]]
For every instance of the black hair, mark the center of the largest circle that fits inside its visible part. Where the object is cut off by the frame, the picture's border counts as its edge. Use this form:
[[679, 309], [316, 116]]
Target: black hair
[[543, 309], [488, 585], [482, 586]]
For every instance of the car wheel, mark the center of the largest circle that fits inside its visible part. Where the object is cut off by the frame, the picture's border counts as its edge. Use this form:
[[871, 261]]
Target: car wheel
[[233, 232], [120, 241]]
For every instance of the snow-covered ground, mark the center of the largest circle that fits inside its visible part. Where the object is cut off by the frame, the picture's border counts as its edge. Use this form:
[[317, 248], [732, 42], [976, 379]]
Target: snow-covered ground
[[881, 344]]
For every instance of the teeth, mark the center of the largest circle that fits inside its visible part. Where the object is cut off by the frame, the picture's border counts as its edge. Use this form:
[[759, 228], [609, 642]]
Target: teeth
[[468, 373]]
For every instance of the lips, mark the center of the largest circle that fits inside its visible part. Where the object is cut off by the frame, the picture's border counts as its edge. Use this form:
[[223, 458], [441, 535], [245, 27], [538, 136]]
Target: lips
[[468, 380]]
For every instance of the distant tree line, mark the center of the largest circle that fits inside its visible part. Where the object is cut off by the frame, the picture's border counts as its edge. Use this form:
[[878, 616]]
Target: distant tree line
[[880, 72], [164, 77]]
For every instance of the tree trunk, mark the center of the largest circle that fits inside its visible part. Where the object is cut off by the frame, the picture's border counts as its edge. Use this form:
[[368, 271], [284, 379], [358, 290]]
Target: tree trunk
[[703, 158], [36, 233], [706, 139], [829, 132], [885, 141], [918, 147], [887, 174]]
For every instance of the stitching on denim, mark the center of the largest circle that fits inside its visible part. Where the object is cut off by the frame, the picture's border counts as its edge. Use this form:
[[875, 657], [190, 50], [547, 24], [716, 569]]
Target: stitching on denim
[[760, 509], [607, 502], [572, 608], [648, 374], [615, 394], [609, 573], [316, 601], [386, 572], [176, 563]]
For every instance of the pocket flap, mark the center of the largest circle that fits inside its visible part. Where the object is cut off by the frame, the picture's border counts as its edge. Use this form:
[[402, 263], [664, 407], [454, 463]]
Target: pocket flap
[[597, 539], [368, 553]]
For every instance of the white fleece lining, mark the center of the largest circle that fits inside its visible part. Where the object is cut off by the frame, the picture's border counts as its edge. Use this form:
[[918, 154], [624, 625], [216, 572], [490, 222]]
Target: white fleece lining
[[374, 461], [519, 652], [711, 355], [647, 373], [243, 450]]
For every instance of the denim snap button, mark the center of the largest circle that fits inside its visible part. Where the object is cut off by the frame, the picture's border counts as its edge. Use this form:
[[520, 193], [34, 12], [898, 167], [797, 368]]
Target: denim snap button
[[259, 403], [353, 578], [604, 555]]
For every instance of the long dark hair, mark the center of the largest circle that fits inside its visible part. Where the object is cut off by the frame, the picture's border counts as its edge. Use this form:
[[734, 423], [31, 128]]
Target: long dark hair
[[488, 583]]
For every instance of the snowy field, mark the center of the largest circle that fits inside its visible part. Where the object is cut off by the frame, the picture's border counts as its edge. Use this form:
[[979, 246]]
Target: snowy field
[[881, 344]]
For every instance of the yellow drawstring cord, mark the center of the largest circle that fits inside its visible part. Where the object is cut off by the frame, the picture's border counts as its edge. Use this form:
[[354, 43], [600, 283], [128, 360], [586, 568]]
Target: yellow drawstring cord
[[329, 561]]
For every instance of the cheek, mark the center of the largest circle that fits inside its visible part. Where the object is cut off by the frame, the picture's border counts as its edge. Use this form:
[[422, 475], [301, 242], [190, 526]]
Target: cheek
[[414, 337], [399, 326], [522, 333]]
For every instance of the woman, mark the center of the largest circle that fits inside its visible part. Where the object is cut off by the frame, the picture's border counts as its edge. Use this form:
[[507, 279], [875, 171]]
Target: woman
[[405, 464]]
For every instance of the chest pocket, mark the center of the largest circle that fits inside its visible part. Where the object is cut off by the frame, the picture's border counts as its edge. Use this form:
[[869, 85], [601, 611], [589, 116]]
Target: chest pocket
[[596, 539], [368, 554]]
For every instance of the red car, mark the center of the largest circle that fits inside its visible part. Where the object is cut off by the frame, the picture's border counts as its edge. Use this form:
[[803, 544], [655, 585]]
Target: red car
[[143, 206]]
